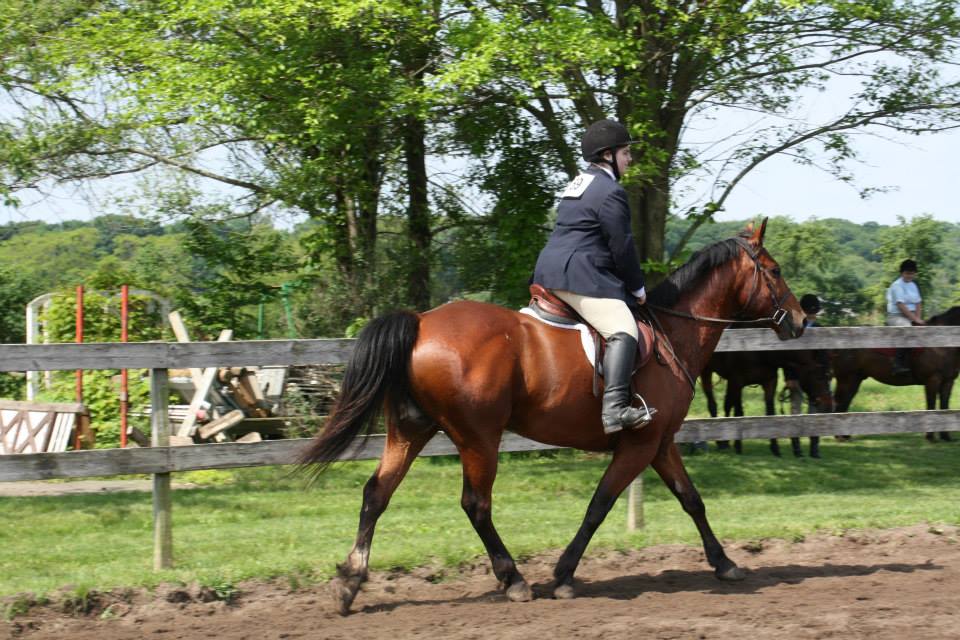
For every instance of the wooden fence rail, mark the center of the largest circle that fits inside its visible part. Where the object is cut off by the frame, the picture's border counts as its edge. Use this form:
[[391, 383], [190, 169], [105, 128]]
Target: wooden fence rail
[[182, 355]]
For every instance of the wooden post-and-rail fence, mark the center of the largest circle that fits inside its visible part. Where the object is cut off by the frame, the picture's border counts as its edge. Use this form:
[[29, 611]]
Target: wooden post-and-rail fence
[[161, 460]]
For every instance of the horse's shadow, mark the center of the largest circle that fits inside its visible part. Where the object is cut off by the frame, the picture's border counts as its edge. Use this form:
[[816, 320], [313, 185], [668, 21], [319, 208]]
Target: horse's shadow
[[676, 581], [679, 581]]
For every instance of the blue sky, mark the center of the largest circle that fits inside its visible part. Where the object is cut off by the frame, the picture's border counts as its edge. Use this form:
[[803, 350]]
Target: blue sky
[[921, 172]]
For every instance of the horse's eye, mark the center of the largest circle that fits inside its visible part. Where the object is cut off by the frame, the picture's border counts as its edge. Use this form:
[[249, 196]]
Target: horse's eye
[[776, 272]]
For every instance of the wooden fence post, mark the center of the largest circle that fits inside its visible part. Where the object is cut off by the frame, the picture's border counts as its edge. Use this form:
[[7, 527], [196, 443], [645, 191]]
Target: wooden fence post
[[635, 504], [162, 498]]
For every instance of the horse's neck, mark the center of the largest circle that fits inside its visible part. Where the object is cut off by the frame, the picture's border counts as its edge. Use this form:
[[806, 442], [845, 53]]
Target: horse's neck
[[694, 341]]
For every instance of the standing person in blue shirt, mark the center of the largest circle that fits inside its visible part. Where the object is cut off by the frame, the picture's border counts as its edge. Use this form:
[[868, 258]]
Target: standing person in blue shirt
[[904, 309], [591, 263]]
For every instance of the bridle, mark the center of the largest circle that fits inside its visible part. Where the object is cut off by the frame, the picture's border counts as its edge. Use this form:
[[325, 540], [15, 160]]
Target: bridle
[[779, 313]]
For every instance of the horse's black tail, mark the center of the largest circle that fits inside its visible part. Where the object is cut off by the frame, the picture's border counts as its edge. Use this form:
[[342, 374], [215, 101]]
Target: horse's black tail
[[377, 372]]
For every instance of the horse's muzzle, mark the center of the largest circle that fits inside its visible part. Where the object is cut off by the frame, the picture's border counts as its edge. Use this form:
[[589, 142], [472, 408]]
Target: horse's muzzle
[[786, 329]]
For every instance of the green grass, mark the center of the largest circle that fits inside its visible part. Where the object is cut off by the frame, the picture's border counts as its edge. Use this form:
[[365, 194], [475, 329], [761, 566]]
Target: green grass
[[261, 523]]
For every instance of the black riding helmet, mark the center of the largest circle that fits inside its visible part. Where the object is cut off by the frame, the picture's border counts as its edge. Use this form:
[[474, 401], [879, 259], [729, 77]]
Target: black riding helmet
[[810, 303], [601, 136]]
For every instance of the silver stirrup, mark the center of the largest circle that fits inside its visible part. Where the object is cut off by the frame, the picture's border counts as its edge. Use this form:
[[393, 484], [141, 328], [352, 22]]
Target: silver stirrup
[[651, 411]]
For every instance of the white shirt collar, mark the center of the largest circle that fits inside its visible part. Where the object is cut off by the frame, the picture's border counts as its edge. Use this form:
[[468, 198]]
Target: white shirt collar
[[605, 170]]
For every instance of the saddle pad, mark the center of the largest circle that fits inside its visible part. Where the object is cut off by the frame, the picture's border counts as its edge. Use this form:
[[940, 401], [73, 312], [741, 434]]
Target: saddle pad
[[586, 340]]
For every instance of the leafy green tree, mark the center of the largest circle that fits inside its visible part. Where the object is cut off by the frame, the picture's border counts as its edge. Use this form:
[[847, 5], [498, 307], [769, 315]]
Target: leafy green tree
[[331, 108], [671, 70], [292, 105], [15, 293]]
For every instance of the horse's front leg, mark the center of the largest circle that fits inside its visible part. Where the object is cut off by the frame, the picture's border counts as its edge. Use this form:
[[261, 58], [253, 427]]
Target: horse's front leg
[[669, 465], [626, 465]]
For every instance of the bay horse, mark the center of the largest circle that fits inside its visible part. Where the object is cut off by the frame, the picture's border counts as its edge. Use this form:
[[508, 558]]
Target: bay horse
[[935, 368], [474, 370], [744, 368]]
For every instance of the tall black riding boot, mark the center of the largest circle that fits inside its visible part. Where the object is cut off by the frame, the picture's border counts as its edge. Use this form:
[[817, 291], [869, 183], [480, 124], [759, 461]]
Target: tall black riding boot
[[900, 365], [617, 370]]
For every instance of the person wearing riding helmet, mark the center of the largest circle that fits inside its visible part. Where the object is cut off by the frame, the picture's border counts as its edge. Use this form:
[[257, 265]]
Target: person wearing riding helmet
[[590, 262]]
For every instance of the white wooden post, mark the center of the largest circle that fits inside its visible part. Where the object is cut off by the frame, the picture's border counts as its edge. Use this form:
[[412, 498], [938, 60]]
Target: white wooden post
[[635, 504], [162, 498]]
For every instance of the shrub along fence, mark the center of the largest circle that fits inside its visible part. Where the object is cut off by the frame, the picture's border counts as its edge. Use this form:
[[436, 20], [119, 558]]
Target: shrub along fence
[[161, 460]]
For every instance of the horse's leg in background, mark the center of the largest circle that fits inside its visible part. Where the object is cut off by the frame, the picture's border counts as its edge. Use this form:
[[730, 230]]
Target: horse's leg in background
[[846, 389], [733, 401], [479, 471], [706, 383], [401, 449], [945, 388], [769, 387], [669, 465], [930, 388], [627, 464]]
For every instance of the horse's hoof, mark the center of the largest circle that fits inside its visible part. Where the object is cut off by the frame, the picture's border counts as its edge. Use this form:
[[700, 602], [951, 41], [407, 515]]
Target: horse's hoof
[[343, 591], [519, 592], [732, 574], [564, 592]]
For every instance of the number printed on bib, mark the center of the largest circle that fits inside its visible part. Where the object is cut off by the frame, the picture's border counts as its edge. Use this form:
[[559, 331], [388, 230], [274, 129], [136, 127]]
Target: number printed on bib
[[577, 186]]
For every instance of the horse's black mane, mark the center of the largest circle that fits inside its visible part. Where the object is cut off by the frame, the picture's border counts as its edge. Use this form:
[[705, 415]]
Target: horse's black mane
[[689, 274]]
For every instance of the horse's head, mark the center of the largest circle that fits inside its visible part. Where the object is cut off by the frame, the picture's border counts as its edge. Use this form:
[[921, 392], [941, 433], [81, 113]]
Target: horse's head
[[764, 293]]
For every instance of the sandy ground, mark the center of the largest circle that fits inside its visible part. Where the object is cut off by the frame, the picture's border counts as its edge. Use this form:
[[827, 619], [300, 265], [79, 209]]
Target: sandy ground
[[900, 583]]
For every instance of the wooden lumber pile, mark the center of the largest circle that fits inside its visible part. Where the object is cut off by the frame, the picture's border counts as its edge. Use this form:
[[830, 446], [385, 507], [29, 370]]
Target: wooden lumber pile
[[220, 399]]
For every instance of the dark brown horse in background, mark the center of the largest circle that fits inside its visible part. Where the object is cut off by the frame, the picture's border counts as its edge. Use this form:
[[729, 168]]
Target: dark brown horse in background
[[935, 368], [475, 370], [744, 368]]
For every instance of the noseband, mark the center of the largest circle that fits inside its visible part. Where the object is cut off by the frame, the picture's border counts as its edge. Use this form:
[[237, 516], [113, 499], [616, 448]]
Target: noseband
[[779, 313]]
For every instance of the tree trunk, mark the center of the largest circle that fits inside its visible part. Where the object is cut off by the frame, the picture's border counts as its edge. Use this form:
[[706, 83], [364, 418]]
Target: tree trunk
[[418, 213]]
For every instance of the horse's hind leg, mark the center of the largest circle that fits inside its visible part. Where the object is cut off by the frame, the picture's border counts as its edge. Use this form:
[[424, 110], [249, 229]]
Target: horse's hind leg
[[669, 465], [479, 472], [400, 451]]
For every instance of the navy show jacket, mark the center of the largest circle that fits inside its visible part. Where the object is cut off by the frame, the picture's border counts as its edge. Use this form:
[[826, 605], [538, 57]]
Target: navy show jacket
[[591, 251]]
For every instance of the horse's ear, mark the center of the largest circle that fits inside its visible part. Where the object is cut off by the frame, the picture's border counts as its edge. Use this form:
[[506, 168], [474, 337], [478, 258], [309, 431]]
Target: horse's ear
[[757, 234]]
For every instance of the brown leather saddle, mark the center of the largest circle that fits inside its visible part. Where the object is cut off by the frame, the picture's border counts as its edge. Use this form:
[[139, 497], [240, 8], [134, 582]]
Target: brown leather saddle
[[549, 307]]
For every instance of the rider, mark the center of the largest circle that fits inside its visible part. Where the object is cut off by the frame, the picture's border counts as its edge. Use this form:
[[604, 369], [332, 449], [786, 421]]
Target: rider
[[904, 309], [590, 262]]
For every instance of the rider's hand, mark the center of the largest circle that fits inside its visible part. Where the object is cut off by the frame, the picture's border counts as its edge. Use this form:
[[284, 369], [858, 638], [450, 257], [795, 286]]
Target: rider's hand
[[642, 298], [919, 323]]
